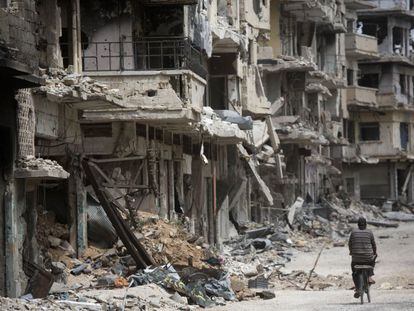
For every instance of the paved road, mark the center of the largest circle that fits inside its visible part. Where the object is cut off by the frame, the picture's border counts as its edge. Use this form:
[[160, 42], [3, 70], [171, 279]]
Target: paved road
[[384, 300], [394, 272]]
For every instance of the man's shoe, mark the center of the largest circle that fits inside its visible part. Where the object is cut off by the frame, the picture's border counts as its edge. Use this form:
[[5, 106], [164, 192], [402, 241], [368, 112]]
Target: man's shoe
[[356, 295], [371, 281]]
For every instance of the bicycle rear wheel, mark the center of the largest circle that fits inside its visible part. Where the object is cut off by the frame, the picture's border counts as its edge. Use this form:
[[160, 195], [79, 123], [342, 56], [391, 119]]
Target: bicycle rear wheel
[[361, 286], [368, 294]]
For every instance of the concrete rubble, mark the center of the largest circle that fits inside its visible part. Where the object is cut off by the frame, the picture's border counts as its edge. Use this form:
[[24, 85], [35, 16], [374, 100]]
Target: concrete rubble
[[177, 154], [32, 167], [62, 86]]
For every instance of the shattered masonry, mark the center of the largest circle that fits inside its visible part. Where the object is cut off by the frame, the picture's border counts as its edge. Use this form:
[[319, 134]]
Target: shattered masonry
[[212, 114]]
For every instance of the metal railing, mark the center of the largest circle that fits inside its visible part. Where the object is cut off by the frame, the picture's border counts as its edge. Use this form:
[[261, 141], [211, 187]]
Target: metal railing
[[143, 55]]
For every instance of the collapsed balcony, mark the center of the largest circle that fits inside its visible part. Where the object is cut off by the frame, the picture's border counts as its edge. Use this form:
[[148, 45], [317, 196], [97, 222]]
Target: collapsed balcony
[[170, 53], [317, 11]]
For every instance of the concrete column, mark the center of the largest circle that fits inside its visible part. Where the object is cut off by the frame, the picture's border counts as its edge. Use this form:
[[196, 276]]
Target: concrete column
[[15, 228], [163, 197], [77, 205], [81, 215], [393, 181], [171, 185]]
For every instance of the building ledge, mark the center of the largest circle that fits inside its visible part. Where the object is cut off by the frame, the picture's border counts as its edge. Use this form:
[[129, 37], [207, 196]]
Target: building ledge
[[19, 74], [386, 12], [159, 115], [359, 4], [389, 58], [286, 63], [145, 73], [38, 168]]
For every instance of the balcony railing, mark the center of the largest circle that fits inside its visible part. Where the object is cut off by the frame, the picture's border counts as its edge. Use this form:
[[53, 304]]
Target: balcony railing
[[143, 55]]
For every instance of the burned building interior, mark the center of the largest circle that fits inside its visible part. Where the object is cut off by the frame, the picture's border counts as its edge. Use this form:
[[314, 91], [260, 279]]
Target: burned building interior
[[120, 119]]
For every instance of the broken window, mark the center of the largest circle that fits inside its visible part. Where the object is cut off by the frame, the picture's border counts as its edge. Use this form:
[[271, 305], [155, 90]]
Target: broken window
[[350, 76], [404, 136], [349, 130], [218, 93], [375, 27], [350, 185], [97, 130], [403, 84], [369, 131], [350, 25], [304, 33], [164, 21], [412, 87], [187, 145], [141, 130], [369, 80], [256, 6], [398, 40]]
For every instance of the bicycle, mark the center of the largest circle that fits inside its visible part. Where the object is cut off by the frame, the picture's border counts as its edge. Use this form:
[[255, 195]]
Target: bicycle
[[363, 284]]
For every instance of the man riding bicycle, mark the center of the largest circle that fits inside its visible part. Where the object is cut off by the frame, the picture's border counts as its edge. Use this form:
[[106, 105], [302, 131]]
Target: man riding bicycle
[[363, 250]]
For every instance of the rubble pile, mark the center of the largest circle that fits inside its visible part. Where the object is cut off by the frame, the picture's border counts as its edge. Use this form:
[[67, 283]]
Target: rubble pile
[[259, 255], [48, 231], [168, 244], [33, 163], [66, 86], [188, 271]]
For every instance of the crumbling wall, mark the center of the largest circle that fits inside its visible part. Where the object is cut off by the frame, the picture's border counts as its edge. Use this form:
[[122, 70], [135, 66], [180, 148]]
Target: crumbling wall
[[50, 32], [114, 38], [19, 31], [25, 123], [159, 91], [256, 13]]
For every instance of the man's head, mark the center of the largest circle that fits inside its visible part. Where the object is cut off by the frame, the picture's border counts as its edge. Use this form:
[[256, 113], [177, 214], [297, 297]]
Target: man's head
[[362, 223]]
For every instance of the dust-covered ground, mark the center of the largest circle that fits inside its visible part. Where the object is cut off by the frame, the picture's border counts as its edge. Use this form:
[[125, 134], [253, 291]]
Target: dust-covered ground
[[394, 275]]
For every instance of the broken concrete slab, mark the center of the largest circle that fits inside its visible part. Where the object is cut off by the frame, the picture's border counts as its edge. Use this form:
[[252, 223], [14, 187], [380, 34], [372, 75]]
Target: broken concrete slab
[[39, 168], [292, 210], [263, 187], [399, 216]]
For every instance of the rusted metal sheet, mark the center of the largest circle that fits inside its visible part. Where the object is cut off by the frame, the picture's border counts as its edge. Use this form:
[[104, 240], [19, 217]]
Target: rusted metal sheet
[[40, 280], [142, 258]]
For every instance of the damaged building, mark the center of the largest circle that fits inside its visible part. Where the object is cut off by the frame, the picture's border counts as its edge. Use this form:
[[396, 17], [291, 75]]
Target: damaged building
[[211, 113], [140, 105], [377, 165]]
